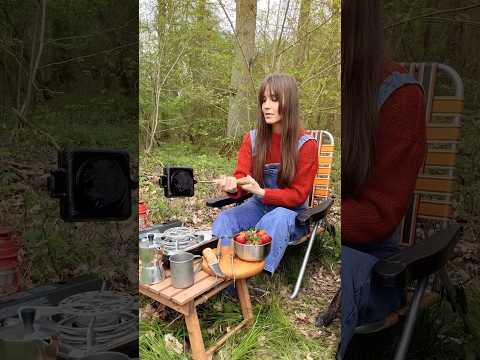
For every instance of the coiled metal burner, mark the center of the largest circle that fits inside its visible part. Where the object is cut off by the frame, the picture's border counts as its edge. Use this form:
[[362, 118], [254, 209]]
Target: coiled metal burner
[[96, 321], [179, 238]]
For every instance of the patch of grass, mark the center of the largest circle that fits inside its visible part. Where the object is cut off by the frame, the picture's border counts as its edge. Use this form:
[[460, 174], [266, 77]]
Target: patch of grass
[[206, 163], [152, 344], [272, 335]]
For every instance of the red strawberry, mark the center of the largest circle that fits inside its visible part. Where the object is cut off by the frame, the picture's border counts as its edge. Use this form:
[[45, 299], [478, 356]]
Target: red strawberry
[[240, 238], [265, 238], [261, 232]]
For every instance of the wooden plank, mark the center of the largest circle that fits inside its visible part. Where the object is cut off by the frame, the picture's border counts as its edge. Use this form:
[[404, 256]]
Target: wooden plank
[[443, 133], [431, 184], [157, 297], [325, 159], [196, 290], [203, 298], [441, 158], [171, 291], [327, 148], [195, 335], [318, 181], [435, 210], [161, 285], [225, 337], [244, 297], [324, 170], [321, 193], [447, 104]]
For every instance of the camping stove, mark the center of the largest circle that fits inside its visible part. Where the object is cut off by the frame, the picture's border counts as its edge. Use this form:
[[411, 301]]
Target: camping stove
[[86, 318], [180, 238], [96, 321]]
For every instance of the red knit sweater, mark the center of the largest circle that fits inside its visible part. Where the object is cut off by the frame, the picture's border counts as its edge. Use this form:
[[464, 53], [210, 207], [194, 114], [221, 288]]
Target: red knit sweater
[[374, 213], [301, 186]]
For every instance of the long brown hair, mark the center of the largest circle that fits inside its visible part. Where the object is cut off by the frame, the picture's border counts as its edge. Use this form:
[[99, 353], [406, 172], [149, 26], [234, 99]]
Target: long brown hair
[[362, 64], [284, 88]]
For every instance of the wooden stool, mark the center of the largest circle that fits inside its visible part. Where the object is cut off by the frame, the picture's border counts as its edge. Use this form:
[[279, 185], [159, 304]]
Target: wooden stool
[[185, 301]]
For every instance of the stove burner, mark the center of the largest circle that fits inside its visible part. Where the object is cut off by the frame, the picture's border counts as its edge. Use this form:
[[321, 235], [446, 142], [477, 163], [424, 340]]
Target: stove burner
[[96, 321], [74, 333], [180, 239], [96, 303]]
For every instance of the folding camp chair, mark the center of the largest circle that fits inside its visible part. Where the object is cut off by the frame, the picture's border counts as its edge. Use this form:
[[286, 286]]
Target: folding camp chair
[[429, 232], [319, 201]]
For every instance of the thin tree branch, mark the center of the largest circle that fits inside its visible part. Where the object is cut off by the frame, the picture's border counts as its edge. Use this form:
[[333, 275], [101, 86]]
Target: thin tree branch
[[87, 56], [438, 12], [307, 34], [35, 128], [157, 100], [35, 60], [281, 34]]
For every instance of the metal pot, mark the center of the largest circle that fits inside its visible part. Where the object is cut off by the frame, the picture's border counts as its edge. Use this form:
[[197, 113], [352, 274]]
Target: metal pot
[[249, 252], [151, 258], [147, 250], [182, 269]]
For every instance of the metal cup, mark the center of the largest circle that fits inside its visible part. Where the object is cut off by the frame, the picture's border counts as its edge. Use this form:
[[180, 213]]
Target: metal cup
[[181, 268]]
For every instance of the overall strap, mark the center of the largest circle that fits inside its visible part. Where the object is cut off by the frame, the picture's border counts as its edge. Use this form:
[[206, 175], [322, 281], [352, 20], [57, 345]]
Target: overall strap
[[393, 82], [304, 139], [253, 135]]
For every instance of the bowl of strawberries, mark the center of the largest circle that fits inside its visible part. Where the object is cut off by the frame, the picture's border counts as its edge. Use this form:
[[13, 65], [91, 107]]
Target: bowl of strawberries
[[252, 245]]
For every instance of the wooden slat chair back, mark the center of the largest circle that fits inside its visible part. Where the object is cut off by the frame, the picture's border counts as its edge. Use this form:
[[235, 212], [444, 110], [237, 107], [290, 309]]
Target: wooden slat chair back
[[432, 204], [322, 185], [321, 189], [321, 192]]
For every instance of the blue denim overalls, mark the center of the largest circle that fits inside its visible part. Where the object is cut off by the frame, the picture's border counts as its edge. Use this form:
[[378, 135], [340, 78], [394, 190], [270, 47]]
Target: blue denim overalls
[[361, 302], [279, 222]]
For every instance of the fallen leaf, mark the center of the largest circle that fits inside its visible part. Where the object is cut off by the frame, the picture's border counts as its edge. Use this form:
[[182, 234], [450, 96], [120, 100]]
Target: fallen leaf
[[172, 344]]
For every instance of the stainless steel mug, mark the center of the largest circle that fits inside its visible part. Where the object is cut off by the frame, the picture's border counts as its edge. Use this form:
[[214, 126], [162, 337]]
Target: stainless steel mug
[[182, 269]]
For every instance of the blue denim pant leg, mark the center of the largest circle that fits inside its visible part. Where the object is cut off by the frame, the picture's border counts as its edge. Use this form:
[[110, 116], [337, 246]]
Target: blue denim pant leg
[[361, 302], [280, 225], [236, 219]]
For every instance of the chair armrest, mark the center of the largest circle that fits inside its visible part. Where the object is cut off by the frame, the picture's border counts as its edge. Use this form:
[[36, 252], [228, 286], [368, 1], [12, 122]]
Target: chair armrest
[[225, 200], [316, 213], [417, 261]]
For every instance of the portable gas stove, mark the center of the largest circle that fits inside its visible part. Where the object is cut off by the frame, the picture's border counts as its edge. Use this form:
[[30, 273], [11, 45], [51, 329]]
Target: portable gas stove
[[86, 318], [96, 321], [180, 238]]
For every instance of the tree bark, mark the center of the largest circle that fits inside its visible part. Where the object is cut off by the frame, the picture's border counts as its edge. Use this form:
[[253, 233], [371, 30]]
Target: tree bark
[[240, 114], [302, 29]]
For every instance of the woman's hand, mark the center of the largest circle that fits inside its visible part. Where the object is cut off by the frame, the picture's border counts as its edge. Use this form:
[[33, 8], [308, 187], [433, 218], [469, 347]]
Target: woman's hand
[[227, 184], [249, 184]]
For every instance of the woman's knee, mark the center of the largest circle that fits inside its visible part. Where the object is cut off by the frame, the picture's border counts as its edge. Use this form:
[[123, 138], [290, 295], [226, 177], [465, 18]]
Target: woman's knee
[[281, 215]]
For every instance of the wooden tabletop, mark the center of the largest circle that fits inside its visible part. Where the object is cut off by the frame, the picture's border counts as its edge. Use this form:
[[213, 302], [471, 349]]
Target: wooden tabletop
[[203, 282]]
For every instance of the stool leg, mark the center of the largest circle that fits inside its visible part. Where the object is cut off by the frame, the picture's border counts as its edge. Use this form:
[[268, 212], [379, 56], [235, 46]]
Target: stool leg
[[244, 297], [195, 334]]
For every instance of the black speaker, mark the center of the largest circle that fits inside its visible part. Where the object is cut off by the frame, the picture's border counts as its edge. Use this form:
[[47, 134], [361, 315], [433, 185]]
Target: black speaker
[[92, 185], [177, 181]]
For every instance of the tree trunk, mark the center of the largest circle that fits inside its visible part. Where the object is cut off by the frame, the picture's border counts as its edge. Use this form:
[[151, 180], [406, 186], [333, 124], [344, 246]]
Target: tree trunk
[[240, 113], [302, 29]]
